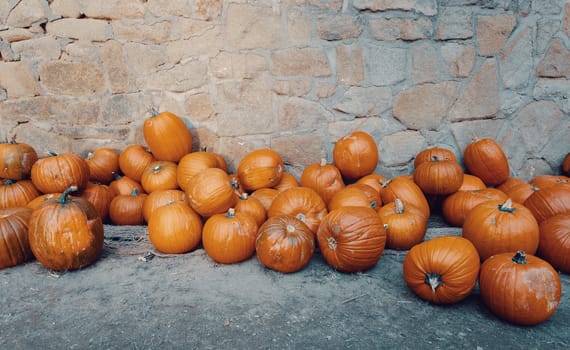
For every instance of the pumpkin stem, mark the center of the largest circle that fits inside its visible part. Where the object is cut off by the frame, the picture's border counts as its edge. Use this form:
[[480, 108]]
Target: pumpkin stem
[[9, 182], [435, 158], [243, 196], [203, 148], [507, 206], [323, 162], [301, 217], [63, 198], [90, 155], [153, 112], [231, 213], [398, 206], [520, 257], [385, 184], [135, 192], [433, 280], [51, 153], [234, 183], [331, 243], [290, 228], [156, 168]]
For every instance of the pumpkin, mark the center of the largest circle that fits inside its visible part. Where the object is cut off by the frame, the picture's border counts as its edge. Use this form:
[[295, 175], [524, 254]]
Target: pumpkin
[[355, 155], [548, 202], [439, 177], [301, 202], [14, 246], [127, 209], [520, 193], [192, 164], [265, 196], [229, 238], [260, 168], [554, 243], [167, 136], [103, 165], [100, 196], [175, 228], [545, 181], [159, 198], [351, 239], [455, 207], [17, 193], [519, 288], [471, 183], [407, 190], [486, 159], [58, 172], [510, 182], [211, 192], [496, 227], [16, 160], [355, 195], [159, 175], [288, 181], [373, 180], [125, 185], [442, 270], [405, 225], [566, 165], [285, 244], [428, 154], [134, 159], [252, 206], [323, 178], [36, 202], [66, 233]]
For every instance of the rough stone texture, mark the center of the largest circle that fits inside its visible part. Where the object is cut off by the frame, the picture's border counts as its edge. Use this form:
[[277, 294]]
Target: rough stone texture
[[426, 7], [66, 8], [407, 29], [536, 122], [425, 106], [546, 29], [182, 77], [25, 14], [82, 29], [556, 63], [566, 23], [113, 9], [162, 8], [207, 44], [138, 31], [480, 97], [237, 66], [516, 61], [385, 65], [16, 34], [455, 23], [17, 79], [459, 59], [207, 9], [40, 49], [250, 27], [123, 109], [365, 102], [199, 106], [299, 114], [409, 143], [292, 87], [71, 78], [425, 63], [310, 62], [493, 32], [298, 27], [143, 59], [300, 150], [350, 64], [339, 27], [115, 67]]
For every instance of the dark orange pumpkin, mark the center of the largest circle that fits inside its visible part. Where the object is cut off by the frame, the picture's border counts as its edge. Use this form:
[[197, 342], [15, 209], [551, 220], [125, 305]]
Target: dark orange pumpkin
[[301, 202], [260, 168], [127, 209], [192, 164], [471, 183], [229, 238], [288, 181], [175, 228], [134, 159], [510, 182], [407, 190], [100, 196], [159, 198], [285, 244], [251, 206], [548, 202], [486, 159], [58, 172], [36, 202], [520, 193], [439, 177], [124, 185], [455, 207], [17, 193], [16, 160], [14, 245], [211, 192], [545, 181], [103, 165], [496, 227], [355, 195], [428, 154], [355, 155], [554, 244], [352, 239], [442, 270], [167, 136], [373, 180], [405, 225], [519, 288], [66, 233], [159, 175], [324, 178], [265, 196]]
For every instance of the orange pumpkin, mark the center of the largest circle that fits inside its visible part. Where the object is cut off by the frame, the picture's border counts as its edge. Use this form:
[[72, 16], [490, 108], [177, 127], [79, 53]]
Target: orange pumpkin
[[265, 196], [211, 192], [260, 168], [175, 228], [373, 180], [486, 159], [323, 178], [548, 202], [159, 198], [127, 209], [58, 172], [16, 160], [167, 136], [355, 155], [14, 245], [159, 175], [554, 244], [192, 164], [545, 181], [407, 190], [405, 225], [103, 165], [439, 177], [251, 206], [428, 154], [100, 196], [125, 185], [134, 159], [288, 181], [301, 202], [355, 195], [471, 183], [456, 206], [17, 193]]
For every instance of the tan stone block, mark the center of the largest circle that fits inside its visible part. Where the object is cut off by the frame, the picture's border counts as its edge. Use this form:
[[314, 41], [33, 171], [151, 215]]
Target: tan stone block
[[15, 34], [350, 64], [86, 50], [300, 150], [180, 78], [199, 106], [300, 114], [537, 122], [42, 48], [113, 9], [339, 27], [325, 90], [365, 101], [516, 63], [47, 110], [566, 21], [203, 138], [209, 44], [26, 13], [425, 63], [43, 138], [138, 31], [125, 109], [480, 98], [253, 27], [144, 59], [399, 148], [82, 29], [312, 62], [115, 66], [71, 78], [228, 65], [459, 59], [493, 32], [207, 9], [161, 8], [292, 87], [407, 29], [18, 80], [66, 8], [298, 27], [466, 130], [556, 62], [425, 106], [427, 7]]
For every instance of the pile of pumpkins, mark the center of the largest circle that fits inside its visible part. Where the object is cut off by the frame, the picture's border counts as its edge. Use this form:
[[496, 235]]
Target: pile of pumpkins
[[515, 234]]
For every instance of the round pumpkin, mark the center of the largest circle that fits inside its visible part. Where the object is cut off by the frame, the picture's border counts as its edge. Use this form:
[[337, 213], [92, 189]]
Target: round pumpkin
[[545, 181], [355, 155], [58, 172], [471, 183], [252, 206], [14, 245], [407, 190], [405, 225], [36, 202], [373, 180], [455, 207], [439, 177], [167, 136], [496, 227], [509, 183], [442, 270], [125, 185], [159, 175], [159, 198], [554, 243], [521, 192], [301, 202], [17, 193], [323, 178], [265, 196], [519, 288], [355, 195], [260, 168], [175, 228], [229, 238], [66, 233], [351, 239], [211, 192], [288, 181], [134, 159], [16, 160], [192, 164], [285, 244], [127, 209], [428, 154], [100, 196], [486, 159], [551, 201], [103, 165]]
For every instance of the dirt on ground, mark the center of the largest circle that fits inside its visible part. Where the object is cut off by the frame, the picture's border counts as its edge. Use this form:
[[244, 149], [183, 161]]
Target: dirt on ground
[[128, 301]]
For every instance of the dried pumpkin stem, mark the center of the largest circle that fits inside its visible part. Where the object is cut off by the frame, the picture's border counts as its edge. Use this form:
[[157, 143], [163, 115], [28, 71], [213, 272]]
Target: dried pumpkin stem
[[507, 206], [63, 199], [520, 257], [398, 206], [433, 280], [231, 213]]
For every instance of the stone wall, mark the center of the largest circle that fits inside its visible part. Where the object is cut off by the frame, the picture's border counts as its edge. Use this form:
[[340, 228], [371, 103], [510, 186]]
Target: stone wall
[[293, 75]]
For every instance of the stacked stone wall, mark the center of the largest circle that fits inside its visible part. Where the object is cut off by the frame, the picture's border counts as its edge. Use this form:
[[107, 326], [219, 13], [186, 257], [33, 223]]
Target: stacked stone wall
[[293, 75]]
